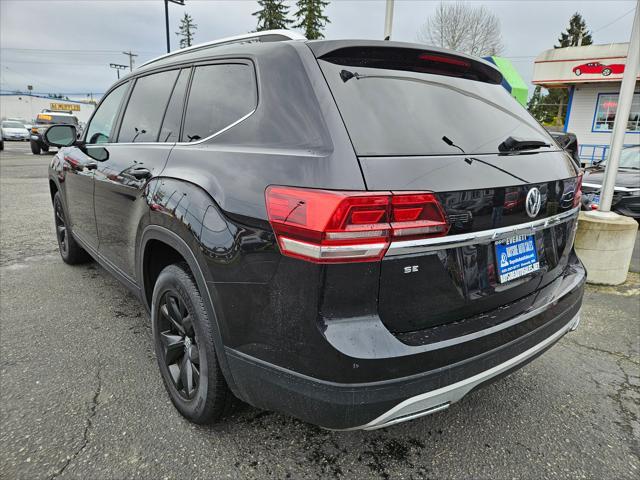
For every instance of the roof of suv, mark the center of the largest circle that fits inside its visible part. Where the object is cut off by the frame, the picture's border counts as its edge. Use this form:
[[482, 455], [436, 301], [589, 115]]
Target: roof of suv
[[253, 44]]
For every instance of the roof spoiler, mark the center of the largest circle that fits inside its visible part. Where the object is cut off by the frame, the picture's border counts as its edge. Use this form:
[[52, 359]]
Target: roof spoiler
[[263, 36]]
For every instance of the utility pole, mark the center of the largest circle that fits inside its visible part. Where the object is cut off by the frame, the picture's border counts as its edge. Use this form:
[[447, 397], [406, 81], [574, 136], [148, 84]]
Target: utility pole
[[166, 18], [622, 114], [130, 54], [118, 67], [388, 20]]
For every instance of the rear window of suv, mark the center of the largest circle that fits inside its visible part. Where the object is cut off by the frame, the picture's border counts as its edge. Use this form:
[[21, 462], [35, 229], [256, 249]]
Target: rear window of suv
[[394, 108]]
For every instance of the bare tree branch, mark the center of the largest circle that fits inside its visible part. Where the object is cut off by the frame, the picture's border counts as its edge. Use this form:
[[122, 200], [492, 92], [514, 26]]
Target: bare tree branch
[[463, 27]]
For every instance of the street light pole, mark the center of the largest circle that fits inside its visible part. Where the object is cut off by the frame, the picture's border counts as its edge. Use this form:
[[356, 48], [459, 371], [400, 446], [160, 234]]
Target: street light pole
[[118, 67], [622, 114], [166, 19], [388, 20]]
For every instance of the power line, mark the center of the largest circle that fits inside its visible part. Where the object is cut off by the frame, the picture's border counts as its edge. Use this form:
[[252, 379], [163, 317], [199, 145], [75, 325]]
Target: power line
[[72, 50], [613, 21]]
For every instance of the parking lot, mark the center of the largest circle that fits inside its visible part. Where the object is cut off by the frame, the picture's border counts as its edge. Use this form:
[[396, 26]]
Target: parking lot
[[81, 395]]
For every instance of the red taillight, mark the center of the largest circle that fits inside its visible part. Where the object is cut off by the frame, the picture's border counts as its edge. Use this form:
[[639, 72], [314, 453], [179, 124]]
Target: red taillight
[[577, 196], [459, 62], [326, 226], [417, 214]]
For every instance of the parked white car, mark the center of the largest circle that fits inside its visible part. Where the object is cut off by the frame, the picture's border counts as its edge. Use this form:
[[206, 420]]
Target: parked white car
[[14, 131]]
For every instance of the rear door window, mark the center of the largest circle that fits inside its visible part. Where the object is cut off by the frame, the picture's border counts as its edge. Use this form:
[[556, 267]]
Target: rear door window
[[220, 95], [395, 110], [146, 107]]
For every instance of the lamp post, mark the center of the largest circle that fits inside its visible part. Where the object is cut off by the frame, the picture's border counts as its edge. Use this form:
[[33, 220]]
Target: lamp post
[[118, 67], [388, 20], [622, 114], [166, 18]]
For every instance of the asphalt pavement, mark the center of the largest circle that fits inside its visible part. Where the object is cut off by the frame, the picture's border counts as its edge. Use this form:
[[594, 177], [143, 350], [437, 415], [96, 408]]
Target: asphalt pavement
[[81, 396]]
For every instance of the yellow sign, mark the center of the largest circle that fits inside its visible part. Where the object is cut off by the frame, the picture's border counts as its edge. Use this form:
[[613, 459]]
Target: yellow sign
[[65, 107]]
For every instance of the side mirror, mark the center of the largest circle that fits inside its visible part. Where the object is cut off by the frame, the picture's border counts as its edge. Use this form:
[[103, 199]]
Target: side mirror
[[60, 135]]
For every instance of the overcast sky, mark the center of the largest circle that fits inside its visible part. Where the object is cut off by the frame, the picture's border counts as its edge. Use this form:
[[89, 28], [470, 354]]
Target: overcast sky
[[66, 45]]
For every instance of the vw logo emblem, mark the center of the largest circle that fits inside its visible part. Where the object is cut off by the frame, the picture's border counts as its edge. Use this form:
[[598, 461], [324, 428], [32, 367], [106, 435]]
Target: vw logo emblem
[[533, 202]]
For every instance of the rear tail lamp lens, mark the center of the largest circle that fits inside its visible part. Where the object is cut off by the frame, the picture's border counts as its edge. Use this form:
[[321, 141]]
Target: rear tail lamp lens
[[326, 226], [417, 215], [577, 196]]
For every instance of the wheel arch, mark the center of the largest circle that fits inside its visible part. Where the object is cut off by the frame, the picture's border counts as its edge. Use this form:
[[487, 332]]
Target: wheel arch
[[157, 236]]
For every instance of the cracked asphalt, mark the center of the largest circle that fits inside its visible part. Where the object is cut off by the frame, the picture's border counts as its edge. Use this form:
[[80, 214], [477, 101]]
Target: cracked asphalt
[[81, 397]]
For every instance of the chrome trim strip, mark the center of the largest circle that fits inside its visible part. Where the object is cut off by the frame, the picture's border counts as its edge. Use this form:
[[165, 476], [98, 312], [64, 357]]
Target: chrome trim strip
[[228, 127], [422, 245], [230, 40], [616, 189], [436, 400], [328, 252], [198, 142]]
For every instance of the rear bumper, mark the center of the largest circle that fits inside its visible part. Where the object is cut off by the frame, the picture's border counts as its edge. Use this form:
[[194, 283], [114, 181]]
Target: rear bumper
[[378, 404]]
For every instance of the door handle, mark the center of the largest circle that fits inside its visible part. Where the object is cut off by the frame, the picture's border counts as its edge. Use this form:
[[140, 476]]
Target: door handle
[[140, 173], [91, 166]]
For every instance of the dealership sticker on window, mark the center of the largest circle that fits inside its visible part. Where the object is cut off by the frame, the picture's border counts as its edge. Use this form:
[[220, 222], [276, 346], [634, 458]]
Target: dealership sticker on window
[[516, 256]]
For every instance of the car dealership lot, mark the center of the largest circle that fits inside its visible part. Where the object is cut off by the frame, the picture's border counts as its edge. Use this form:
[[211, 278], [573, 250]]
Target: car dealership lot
[[81, 394]]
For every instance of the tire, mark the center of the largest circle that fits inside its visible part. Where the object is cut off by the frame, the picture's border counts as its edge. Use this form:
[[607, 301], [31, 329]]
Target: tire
[[183, 340], [578, 72], [35, 147], [45, 148], [606, 72], [70, 251]]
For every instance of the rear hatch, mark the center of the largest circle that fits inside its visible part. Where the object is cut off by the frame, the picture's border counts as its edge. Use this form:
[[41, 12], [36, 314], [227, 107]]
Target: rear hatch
[[428, 120]]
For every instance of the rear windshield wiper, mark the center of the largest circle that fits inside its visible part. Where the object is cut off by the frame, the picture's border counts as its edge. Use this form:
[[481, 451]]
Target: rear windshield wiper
[[512, 144]]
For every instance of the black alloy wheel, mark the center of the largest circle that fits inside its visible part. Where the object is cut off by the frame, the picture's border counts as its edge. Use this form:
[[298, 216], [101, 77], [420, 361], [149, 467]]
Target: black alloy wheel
[[61, 229], [70, 251], [184, 343], [180, 352]]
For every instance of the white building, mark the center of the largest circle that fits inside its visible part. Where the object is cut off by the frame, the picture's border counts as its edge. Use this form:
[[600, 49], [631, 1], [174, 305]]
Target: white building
[[27, 106], [593, 75]]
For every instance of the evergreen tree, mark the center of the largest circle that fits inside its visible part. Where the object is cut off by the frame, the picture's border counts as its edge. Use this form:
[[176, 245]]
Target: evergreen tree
[[550, 108], [186, 31], [273, 15], [310, 17], [577, 27]]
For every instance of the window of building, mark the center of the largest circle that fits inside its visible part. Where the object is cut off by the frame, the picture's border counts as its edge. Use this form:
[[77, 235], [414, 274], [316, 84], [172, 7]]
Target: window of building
[[142, 118], [606, 109], [219, 96]]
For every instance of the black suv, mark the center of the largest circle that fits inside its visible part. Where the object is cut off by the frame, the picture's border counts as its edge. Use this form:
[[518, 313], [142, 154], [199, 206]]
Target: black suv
[[319, 227]]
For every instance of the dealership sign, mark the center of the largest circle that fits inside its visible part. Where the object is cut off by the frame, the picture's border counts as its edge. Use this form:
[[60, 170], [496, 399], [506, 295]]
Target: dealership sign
[[65, 107], [590, 64]]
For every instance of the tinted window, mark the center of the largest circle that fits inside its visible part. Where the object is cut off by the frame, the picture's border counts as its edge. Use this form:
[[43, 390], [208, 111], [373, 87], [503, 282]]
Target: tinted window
[[141, 121], [219, 96], [395, 112], [99, 130], [170, 130]]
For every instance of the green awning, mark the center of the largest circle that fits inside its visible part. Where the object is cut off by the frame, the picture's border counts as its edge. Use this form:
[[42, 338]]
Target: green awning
[[513, 82]]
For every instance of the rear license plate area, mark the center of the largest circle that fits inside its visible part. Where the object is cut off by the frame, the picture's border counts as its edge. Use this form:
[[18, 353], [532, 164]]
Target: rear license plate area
[[516, 257]]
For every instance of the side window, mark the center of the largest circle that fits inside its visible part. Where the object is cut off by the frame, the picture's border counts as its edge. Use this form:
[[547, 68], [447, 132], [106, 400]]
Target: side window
[[219, 95], [173, 117], [142, 117], [99, 130]]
